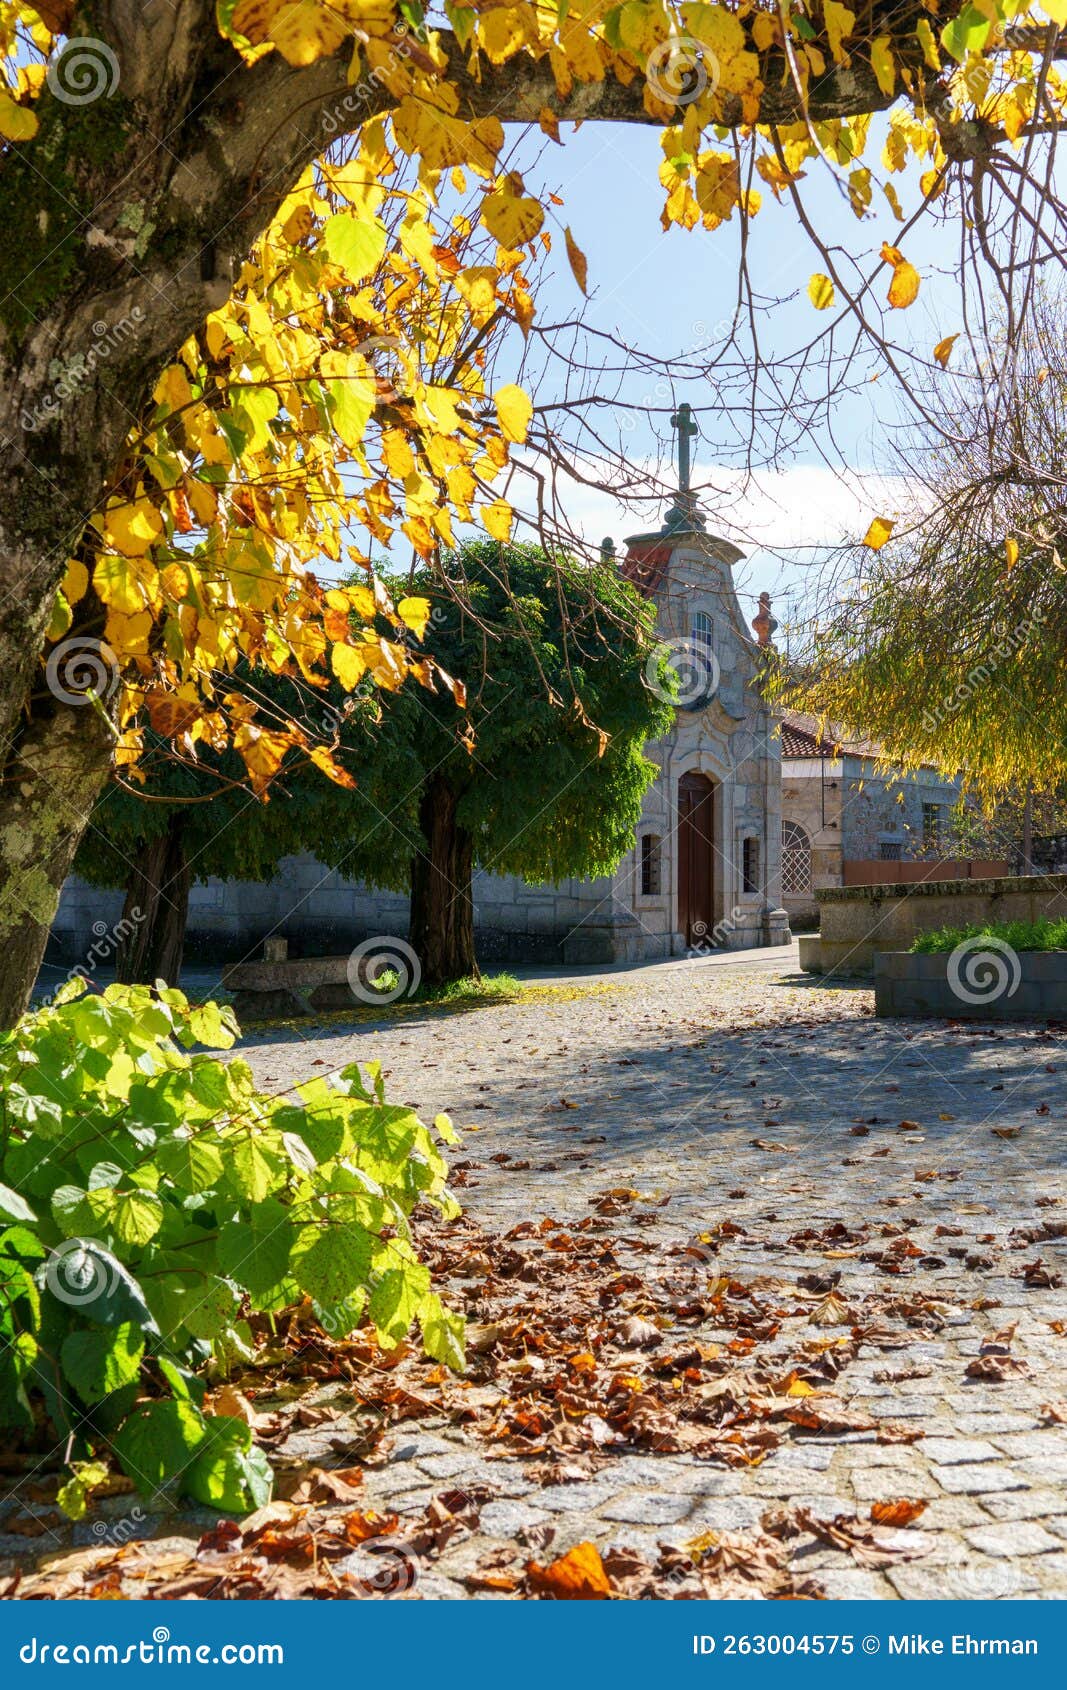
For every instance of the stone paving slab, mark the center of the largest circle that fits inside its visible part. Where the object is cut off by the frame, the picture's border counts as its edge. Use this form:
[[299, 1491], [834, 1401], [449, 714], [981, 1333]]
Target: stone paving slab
[[780, 1105]]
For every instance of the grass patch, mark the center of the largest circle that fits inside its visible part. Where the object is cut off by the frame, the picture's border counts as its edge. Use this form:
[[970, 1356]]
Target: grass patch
[[1043, 935]]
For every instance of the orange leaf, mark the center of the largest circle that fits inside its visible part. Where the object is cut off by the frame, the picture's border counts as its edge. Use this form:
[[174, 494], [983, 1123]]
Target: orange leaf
[[904, 287], [899, 1513], [578, 1576], [576, 258]]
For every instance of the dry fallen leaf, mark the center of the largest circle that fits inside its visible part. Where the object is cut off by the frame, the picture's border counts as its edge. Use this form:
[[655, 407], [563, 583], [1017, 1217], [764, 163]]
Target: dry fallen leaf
[[578, 1576], [899, 1513]]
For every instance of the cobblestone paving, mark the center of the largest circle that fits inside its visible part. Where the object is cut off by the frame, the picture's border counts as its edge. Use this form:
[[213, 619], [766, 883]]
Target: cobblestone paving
[[743, 1093]]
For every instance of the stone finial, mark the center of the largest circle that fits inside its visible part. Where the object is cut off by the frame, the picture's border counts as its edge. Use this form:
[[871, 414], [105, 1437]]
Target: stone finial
[[763, 622]]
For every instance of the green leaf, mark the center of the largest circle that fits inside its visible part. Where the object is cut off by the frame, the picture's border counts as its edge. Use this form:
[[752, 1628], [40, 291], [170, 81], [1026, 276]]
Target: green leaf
[[230, 1473], [385, 1134], [330, 1262], [356, 244], [98, 1362], [255, 1253], [253, 1170], [396, 1298], [967, 33], [194, 1163], [442, 1334], [83, 1275], [209, 1309], [138, 1216], [13, 1207], [158, 1441], [72, 1497]]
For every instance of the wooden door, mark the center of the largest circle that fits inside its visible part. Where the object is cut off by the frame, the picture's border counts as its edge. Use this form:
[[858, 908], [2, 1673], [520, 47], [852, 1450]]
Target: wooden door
[[696, 794]]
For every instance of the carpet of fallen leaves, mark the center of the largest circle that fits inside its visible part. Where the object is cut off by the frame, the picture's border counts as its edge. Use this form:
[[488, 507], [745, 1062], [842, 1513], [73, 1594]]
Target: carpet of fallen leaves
[[585, 1341]]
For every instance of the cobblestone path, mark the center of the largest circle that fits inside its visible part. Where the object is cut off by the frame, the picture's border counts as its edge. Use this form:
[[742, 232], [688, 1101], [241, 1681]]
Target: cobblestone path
[[808, 1150], [781, 1106]]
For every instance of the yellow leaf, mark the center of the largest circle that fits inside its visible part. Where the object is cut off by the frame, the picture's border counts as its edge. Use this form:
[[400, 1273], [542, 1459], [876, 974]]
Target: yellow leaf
[[514, 409], [17, 123], [512, 219], [840, 22], [322, 759], [75, 581], [414, 613], [905, 284], [549, 122], [821, 292], [131, 529], [172, 388], [347, 665], [262, 752], [497, 519], [929, 45], [577, 260], [799, 1388], [1011, 552], [943, 349], [885, 70], [878, 533]]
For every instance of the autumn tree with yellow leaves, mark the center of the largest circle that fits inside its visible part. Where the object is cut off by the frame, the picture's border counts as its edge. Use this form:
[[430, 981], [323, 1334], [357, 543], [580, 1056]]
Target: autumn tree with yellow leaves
[[237, 328]]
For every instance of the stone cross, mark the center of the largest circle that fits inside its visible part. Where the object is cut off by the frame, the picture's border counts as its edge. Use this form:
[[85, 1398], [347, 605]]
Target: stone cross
[[682, 420]]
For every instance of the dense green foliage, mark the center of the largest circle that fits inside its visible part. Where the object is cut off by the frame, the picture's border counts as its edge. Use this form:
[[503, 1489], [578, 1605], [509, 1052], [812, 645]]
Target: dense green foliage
[[554, 655], [153, 1199], [1043, 935]]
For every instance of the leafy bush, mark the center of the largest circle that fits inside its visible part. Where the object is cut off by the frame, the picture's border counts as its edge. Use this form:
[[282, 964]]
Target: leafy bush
[[154, 1198], [1043, 935]]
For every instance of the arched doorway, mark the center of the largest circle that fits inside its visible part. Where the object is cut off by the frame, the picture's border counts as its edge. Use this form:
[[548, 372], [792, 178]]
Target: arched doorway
[[696, 858]]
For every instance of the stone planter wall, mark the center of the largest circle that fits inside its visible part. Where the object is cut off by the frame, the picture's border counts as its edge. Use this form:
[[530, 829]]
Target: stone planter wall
[[857, 921], [980, 981]]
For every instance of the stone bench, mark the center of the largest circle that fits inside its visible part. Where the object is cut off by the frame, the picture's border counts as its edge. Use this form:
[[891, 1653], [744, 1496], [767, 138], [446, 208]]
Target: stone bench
[[285, 987]]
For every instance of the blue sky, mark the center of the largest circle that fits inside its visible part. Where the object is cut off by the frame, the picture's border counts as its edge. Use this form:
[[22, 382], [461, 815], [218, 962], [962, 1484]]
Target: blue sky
[[666, 291]]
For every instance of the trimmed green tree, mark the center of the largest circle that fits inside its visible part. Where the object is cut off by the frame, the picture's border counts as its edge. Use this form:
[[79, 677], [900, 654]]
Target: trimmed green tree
[[539, 772]]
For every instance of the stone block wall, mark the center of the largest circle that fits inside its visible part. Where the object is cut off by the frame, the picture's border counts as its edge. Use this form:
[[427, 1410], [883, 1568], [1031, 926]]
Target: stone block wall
[[857, 921]]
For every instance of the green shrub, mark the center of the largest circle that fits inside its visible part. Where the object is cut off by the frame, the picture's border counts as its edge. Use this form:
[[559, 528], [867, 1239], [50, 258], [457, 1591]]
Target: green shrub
[[1043, 935], [153, 1199]]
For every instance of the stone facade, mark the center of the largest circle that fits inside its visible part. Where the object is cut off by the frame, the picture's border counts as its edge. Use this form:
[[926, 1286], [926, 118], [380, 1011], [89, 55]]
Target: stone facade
[[839, 806], [724, 732]]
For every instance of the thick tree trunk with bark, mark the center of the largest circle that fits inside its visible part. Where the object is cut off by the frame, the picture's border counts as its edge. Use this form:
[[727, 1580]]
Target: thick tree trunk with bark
[[442, 908], [155, 912], [50, 783]]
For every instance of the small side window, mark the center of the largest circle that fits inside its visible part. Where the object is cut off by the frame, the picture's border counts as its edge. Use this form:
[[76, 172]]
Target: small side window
[[651, 858], [750, 881]]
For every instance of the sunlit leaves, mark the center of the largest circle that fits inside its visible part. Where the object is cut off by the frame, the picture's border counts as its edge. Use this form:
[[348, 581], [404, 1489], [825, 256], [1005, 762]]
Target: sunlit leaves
[[821, 292], [878, 533], [354, 243], [943, 350], [904, 287], [514, 409], [224, 1200]]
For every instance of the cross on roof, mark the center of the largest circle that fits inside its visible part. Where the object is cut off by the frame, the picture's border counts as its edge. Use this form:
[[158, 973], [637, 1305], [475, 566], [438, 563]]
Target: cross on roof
[[682, 420]]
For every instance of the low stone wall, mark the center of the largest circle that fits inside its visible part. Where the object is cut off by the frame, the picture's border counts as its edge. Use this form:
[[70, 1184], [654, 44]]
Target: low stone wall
[[857, 921], [981, 986]]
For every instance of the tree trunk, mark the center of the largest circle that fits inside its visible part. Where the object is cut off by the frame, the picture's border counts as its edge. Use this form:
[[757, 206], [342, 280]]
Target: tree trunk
[[442, 908], [152, 929], [51, 780]]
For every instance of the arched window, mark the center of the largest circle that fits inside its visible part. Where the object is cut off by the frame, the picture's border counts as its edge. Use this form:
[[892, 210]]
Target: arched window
[[796, 860], [651, 857]]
